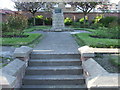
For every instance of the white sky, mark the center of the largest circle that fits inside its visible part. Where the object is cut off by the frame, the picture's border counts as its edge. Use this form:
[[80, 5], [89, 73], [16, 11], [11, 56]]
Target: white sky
[[10, 5]]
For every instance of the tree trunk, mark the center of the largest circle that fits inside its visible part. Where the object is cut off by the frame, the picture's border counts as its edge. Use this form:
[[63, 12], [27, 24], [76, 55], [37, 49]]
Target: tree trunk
[[34, 19], [43, 22], [84, 19]]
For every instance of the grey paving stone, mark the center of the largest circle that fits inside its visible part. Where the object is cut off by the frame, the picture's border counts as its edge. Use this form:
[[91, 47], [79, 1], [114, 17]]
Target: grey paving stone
[[58, 43]]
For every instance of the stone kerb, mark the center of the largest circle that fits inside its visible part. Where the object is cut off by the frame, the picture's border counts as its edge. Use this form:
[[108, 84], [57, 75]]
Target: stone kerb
[[89, 52], [23, 52], [12, 74]]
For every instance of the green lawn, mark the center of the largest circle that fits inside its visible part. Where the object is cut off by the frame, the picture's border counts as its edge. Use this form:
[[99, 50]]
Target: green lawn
[[36, 28], [85, 39], [20, 41]]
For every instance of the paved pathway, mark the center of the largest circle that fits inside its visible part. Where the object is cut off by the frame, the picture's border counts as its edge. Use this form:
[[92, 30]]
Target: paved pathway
[[58, 43]]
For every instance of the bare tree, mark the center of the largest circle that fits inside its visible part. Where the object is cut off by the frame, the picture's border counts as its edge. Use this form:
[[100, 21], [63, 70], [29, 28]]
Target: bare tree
[[104, 7], [85, 7], [32, 7]]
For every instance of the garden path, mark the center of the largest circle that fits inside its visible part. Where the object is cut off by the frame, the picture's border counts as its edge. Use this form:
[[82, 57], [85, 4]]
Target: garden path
[[58, 43]]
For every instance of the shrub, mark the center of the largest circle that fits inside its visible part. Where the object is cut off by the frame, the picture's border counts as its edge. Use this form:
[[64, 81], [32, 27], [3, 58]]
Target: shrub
[[113, 24], [5, 27], [39, 20], [107, 20], [79, 25], [77, 20], [30, 22], [96, 25], [118, 21], [39, 16], [15, 24], [76, 24], [48, 21], [97, 18], [103, 32], [68, 21], [82, 20], [86, 25]]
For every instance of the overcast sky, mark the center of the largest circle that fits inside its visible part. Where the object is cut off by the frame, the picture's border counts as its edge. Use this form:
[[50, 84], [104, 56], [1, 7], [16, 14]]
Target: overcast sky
[[10, 5]]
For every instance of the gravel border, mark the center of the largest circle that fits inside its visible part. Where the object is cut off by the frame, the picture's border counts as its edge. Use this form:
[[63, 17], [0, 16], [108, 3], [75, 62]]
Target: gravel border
[[104, 61]]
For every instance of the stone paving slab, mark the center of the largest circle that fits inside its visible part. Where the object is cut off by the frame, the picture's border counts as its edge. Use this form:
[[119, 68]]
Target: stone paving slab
[[57, 43]]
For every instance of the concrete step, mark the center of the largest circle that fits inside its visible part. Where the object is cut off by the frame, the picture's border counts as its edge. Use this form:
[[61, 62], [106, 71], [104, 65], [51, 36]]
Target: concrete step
[[53, 80], [54, 62], [36, 55], [55, 87], [54, 70]]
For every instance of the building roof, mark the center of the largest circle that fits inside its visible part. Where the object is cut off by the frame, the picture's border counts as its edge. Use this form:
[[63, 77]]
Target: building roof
[[6, 11]]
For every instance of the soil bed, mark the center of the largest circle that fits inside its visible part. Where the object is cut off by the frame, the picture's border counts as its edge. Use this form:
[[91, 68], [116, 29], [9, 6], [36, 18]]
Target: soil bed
[[101, 37], [105, 61], [15, 36]]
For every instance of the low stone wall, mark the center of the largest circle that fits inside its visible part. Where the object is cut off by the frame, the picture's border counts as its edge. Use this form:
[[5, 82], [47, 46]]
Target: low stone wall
[[12, 74], [96, 75], [89, 52]]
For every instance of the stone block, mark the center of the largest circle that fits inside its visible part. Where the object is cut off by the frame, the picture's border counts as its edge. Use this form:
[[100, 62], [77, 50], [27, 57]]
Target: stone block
[[12, 74], [58, 30], [98, 77], [14, 67], [23, 51], [93, 68], [7, 81], [107, 80], [88, 54], [85, 49]]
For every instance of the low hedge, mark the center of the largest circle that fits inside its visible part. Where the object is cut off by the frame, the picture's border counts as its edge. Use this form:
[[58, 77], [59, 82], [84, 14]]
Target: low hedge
[[103, 32], [20, 41], [96, 42]]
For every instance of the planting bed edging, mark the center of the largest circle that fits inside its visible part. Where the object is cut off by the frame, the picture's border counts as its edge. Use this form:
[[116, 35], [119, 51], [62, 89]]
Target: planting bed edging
[[23, 53]]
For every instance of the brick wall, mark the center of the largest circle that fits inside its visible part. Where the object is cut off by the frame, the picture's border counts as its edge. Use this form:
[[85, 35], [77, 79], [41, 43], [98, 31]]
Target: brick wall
[[74, 15]]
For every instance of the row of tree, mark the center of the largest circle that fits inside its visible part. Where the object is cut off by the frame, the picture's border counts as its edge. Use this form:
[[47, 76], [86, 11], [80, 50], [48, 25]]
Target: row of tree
[[33, 7]]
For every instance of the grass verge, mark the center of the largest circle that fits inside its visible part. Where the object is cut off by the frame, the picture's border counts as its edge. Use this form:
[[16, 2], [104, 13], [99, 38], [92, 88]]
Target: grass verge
[[85, 39], [20, 41]]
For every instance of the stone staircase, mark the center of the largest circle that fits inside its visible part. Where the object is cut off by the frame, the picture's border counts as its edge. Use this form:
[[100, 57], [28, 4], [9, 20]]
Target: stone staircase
[[54, 71]]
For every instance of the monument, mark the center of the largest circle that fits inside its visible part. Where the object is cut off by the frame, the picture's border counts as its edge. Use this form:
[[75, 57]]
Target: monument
[[58, 18]]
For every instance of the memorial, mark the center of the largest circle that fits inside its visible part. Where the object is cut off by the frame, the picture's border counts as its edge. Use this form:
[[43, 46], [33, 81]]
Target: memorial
[[58, 20]]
